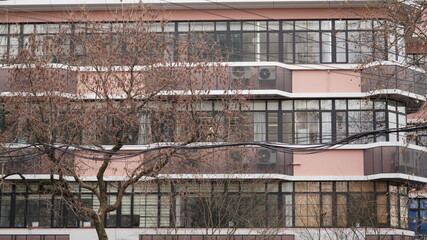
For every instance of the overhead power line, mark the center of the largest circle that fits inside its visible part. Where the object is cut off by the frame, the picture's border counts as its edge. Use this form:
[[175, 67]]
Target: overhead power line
[[32, 151]]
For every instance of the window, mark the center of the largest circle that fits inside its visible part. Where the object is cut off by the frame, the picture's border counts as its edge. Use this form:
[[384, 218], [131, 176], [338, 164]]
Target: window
[[288, 41], [228, 203], [302, 121]]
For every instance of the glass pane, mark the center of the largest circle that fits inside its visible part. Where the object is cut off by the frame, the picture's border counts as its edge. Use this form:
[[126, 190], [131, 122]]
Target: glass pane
[[288, 25], [307, 127], [273, 127], [288, 47], [28, 28], [326, 25], [340, 104], [221, 26], [327, 187], [307, 47], [341, 186], [259, 105], [341, 47], [327, 216], [272, 105], [341, 125], [300, 104], [287, 125], [235, 26], [183, 27], [326, 47], [312, 104], [341, 210], [4, 29], [326, 126], [354, 104], [340, 25], [288, 187], [287, 105], [5, 211], [307, 210], [326, 104]]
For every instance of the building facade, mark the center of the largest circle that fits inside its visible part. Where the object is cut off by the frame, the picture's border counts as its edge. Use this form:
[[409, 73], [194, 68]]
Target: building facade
[[315, 75]]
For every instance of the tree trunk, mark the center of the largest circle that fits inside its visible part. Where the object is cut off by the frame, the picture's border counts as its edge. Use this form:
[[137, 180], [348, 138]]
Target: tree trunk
[[100, 228]]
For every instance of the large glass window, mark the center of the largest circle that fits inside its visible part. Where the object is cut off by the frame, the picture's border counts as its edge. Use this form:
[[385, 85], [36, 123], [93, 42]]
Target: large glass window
[[5, 207], [38, 214], [299, 41], [302, 121], [228, 204]]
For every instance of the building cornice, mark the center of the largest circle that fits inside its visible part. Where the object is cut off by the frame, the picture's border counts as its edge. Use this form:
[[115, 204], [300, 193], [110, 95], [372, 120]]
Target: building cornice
[[57, 5]]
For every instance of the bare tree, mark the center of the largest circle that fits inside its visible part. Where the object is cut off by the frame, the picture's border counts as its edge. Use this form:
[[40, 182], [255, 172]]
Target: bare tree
[[111, 83]]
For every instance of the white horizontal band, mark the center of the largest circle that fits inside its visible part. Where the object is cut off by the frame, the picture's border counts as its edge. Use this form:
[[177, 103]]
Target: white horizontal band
[[229, 177]]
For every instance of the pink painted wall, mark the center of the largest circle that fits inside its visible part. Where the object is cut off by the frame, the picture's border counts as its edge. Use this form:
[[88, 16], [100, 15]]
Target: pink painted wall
[[330, 163], [197, 15], [323, 81], [94, 82], [209, 161], [303, 81], [88, 167]]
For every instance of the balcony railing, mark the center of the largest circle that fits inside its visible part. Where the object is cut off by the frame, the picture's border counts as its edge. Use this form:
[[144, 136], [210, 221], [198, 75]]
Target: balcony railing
[[394, 77], [242, 77], [260, 77], [395, 160]]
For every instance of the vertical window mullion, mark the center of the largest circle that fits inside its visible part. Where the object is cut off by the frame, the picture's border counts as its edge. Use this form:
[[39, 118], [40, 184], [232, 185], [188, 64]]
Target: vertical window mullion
[[293, 204], [12, 207], [293, 45], [333, 42], [280, 43], [320, 44], [159, 205], [334, 203], [346, 117], [280, 123], [267, 39], [8, 42], [333, 122], [293, 132], [52, 212], [26, 208], [346, 46], [320, 136]]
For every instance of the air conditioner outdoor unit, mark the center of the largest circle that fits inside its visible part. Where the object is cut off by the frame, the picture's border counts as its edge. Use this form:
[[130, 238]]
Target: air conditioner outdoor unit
[[266, 156], [239, 156], [267, 73], [240, 72], [190, 157], [240, 75]]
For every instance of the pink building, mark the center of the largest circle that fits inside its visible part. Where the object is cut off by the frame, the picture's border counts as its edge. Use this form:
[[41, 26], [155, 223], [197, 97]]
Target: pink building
[[313, 77]]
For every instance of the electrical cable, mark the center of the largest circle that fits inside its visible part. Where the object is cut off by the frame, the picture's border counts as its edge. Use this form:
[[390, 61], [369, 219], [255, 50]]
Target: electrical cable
[[266, 17], [125, 155], [269, 145]]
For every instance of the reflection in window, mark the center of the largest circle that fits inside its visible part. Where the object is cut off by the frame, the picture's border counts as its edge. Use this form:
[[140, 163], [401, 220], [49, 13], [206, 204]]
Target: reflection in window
[[38, 211], [361, 208], [259, 126], [290, 41], [145, 210], [5, 211], [293, 121], [307, 47], [307, 127], [307, 210], [230, 204]]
